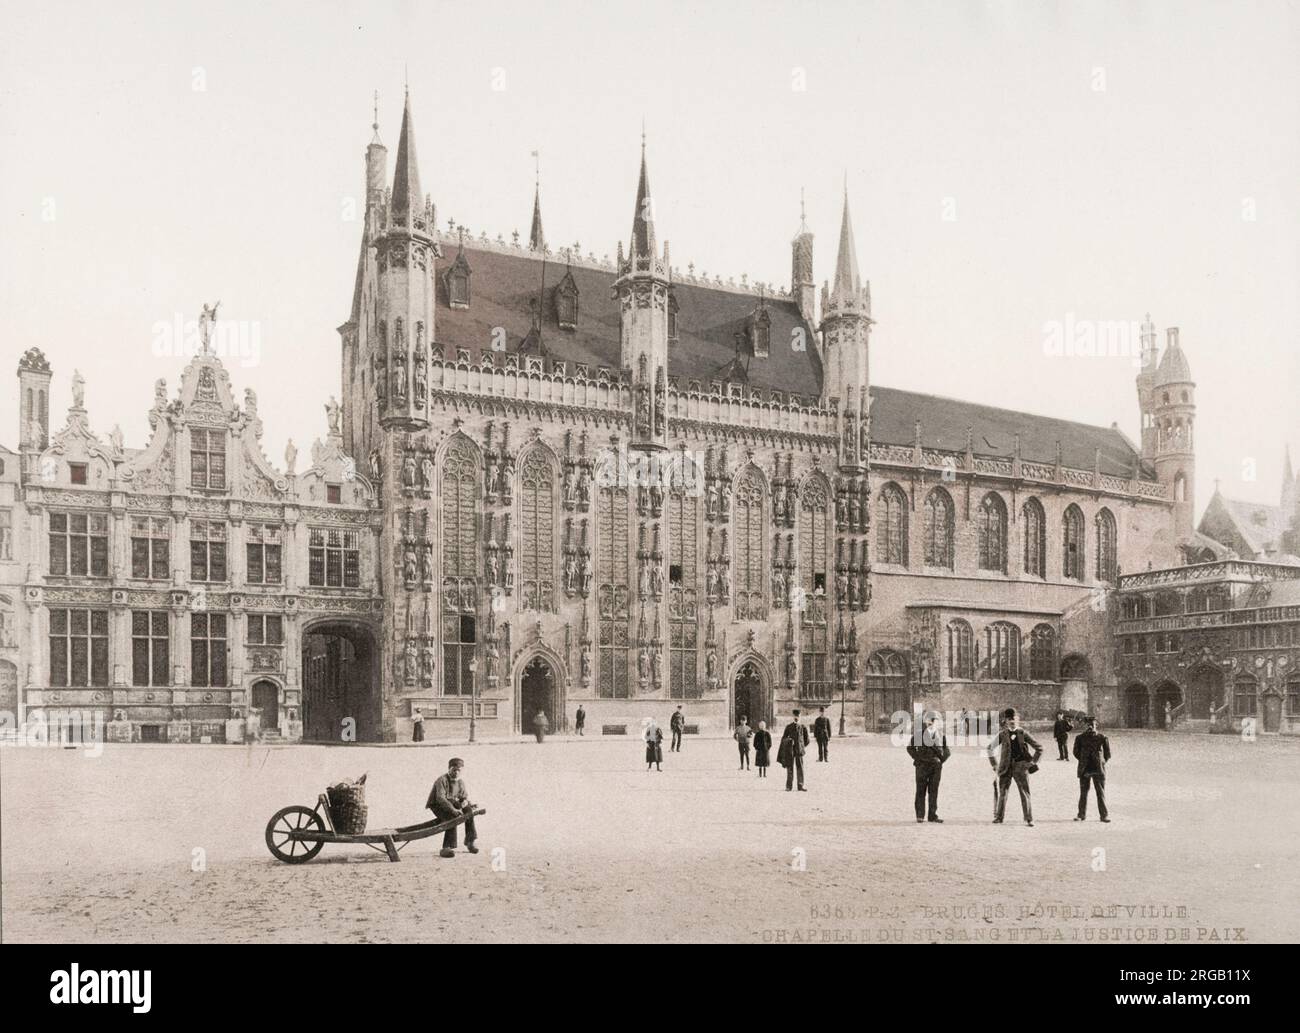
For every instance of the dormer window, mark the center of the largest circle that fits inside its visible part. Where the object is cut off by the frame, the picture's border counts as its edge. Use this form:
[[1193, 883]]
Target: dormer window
[[456, 280], [760, 333], [566, 302]]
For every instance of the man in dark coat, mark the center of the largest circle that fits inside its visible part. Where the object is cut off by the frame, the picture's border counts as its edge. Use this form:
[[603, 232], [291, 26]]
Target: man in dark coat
[[1061, 732], [450, 799], [1019, 756], [794, 744], [928, 750], [1092, 751], [822, 733], [678, 725], [580, 720]]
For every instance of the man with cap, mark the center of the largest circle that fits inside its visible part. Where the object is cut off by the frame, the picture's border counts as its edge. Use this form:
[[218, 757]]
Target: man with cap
[[1061, 733], [1018, 760], [929, 751], [1092, 750], [794, 743], [822, 733], [450, 799]]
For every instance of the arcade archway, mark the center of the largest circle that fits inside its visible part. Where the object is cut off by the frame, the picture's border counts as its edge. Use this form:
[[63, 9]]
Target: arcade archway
[[340, 674]]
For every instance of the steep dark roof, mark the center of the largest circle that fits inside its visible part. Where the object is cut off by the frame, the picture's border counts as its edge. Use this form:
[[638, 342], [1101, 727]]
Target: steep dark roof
[[505, 286], [944, 422]]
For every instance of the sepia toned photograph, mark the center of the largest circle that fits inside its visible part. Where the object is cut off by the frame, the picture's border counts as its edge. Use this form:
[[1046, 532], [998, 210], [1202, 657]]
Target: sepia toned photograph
[[763, 473]]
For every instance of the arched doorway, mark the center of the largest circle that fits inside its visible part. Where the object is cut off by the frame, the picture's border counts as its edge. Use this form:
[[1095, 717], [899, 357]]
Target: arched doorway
[[340, 674], [1167, 693], [1206, 692], [749, 696], [537, 691], [886, 688], [1074, 683], [1137, 706], [266, 698]]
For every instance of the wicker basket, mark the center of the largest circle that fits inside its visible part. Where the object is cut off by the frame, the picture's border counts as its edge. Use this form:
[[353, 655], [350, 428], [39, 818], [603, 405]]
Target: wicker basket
[[347, 801]]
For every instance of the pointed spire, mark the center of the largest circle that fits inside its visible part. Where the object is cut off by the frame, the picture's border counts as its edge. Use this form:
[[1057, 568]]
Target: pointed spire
[[536, 238], [643, 227], [847, 282], [1288, 474], [408, 201]]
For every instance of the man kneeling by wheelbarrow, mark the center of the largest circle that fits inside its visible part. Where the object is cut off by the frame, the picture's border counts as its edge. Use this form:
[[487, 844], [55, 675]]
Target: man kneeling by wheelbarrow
[[450, 799]]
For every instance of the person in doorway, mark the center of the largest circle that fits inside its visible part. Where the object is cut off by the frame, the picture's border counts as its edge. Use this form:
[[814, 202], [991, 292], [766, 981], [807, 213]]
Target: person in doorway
[[417, 726], [1019, 756], [1092, 750], [678, 725], [450, 799], [654, 745], [580, 721], [790, 754], [541, 725], [742, 736], [1061, 732], [822, 733], [762, 749], [929, 752]]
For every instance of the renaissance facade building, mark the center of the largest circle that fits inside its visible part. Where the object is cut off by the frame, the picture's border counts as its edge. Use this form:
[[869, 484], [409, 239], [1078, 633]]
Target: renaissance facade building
[[556, 480]]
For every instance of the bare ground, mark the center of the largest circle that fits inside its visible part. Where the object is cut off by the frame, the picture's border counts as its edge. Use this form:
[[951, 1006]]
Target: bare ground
[[165, 843]]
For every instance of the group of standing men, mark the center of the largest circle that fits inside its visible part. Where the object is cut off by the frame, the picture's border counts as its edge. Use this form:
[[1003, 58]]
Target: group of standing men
[[1013, 754]]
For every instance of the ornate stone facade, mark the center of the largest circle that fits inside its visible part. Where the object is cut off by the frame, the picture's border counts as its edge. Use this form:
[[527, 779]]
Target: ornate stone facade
[[608, 482]]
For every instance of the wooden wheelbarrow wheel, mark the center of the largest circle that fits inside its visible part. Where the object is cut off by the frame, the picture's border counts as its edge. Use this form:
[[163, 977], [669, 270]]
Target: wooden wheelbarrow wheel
[[293, 819]]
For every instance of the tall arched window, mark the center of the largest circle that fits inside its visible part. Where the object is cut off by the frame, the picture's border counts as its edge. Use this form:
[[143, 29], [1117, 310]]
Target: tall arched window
[[816, 675], [891, 526], [612, 594], [1180, 488], [1107, 564], [938, 529], [748, 541], [1072, 544], [961, 650], [1042, 653], [537, 532], [1002, 647], [460, 552], [993, 533], [1035, 525], [683, 593]]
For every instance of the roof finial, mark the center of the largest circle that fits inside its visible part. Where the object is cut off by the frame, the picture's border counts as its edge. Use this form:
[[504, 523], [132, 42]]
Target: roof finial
[[375, 124], [406, 77], [803, 213], [643, 136], [537, 168]]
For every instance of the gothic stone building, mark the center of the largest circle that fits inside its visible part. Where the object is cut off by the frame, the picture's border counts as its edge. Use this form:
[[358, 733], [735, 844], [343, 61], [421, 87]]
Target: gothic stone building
[[614, 483]]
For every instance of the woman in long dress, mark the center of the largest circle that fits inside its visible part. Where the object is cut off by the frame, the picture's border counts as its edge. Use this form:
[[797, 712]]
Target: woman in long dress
[[762, 748], [417, 726], [654, 750]]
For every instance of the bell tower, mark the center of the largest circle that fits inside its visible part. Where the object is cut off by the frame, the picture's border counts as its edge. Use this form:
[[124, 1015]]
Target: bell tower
[[1174, 406]]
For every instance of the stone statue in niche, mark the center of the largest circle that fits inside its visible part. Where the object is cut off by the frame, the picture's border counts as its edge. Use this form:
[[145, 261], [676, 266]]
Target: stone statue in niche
[[658, 662], [381, 378], [410, 565], [587, 575], [427, 550], [332, 414], [421, 380], [376, 464], [426, 473], [571, 573], [408, 472], [399, 376], [78, 390], [290, 457], [160, 393]]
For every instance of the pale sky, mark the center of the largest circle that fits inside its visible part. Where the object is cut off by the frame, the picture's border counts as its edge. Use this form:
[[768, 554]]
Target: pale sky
[[1101, 160]]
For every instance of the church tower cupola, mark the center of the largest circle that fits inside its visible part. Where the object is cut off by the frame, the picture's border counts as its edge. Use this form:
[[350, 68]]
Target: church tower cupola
[[1174, 410], [846, 332], [803, 288], [643, 289]]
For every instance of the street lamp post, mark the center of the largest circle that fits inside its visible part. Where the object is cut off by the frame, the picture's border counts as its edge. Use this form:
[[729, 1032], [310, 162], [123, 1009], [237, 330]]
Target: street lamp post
[[473, 699], [842, 685]]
